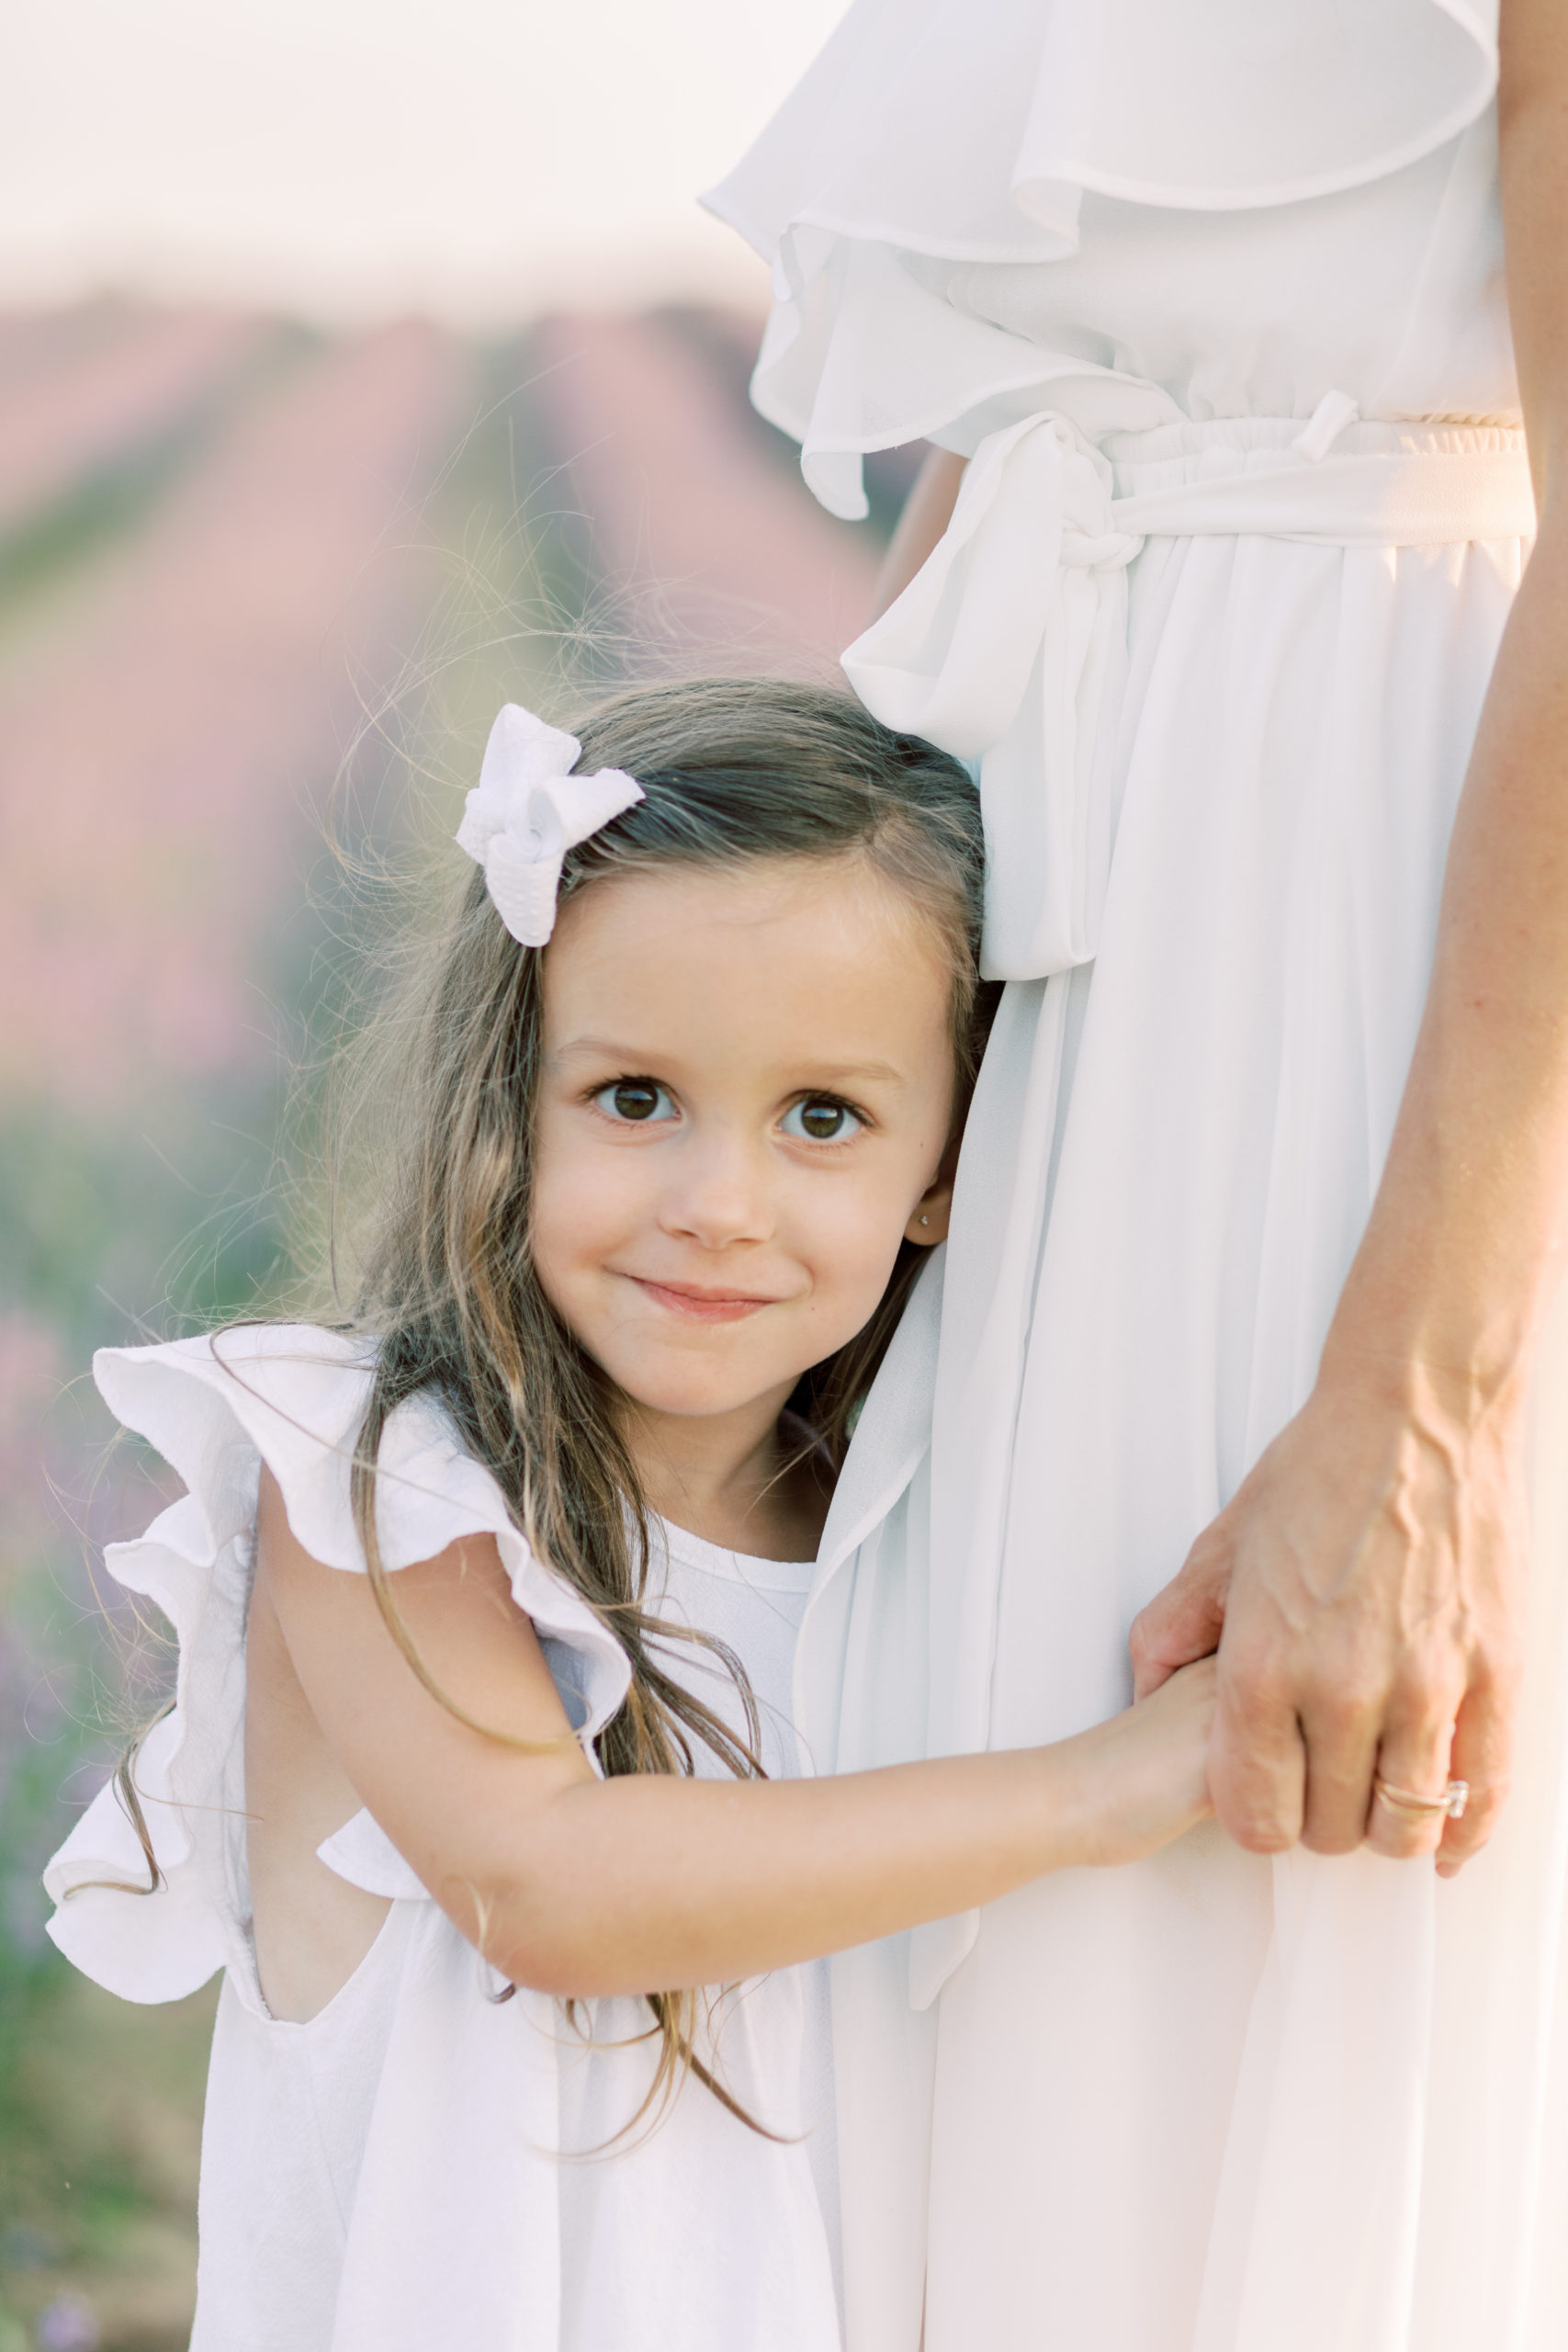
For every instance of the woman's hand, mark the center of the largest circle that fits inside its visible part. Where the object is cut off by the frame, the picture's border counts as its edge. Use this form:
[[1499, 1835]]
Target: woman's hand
[[1365, 1589], [1365, 1586], [1144, 1773]]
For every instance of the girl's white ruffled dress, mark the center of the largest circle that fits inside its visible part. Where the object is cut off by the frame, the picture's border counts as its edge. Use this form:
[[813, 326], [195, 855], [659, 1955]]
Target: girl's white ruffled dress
[[413, 2170], [1209, 292]]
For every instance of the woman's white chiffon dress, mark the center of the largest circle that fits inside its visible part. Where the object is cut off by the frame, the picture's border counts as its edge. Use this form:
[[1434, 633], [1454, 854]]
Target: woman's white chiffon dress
[[1209, 292]]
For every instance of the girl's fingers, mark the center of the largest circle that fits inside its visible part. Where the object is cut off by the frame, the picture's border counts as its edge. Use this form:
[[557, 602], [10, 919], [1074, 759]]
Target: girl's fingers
[[1150, 1777]]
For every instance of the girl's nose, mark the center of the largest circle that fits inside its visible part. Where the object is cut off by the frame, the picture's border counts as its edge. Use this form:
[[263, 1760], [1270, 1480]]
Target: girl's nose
[[720, 1194]]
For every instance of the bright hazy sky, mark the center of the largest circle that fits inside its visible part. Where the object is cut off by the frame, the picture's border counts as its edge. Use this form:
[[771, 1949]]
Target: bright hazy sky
[[476, 158]]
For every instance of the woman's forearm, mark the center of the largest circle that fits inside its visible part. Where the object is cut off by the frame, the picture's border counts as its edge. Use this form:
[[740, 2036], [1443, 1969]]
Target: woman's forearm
[[1467, 1238], [1367, 1573], [1468, 1234], [1366, 1579]]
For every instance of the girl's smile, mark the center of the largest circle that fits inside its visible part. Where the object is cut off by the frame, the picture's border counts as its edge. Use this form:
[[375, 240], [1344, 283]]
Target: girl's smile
[[701, 1306], [743, 1110]]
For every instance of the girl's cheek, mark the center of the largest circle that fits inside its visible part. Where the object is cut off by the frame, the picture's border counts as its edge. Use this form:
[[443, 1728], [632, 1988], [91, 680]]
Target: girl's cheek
[[856, 1242], [579, 1207], [568, 1208]]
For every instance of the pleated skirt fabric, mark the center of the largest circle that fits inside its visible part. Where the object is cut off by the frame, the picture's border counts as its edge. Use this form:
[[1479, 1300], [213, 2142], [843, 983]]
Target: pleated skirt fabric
[[1213, 2103]]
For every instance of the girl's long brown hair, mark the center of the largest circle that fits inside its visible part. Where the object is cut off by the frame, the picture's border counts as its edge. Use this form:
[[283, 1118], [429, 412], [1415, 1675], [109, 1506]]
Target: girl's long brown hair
[[732, 772], [439, 1108]]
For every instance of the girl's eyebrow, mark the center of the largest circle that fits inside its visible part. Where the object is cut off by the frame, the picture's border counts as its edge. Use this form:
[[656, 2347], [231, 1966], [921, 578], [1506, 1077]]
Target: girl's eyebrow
[[823, 1075], [605, 1049], [857, 1073]]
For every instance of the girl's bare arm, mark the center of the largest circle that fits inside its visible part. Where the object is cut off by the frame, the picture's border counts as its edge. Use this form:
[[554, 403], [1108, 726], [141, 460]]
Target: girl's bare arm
[[581, 1887]]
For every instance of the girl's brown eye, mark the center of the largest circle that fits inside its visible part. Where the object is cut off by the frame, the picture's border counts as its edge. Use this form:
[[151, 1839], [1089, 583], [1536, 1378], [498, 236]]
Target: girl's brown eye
[[638, 1099], [821, 1120]]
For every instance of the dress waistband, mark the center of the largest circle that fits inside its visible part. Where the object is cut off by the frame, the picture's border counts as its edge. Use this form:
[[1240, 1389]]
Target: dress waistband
[[1335, 481], [1031, 576], [1335, 424]]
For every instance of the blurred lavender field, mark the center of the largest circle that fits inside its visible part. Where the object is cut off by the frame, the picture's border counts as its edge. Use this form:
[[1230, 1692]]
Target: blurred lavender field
[[241, 564]]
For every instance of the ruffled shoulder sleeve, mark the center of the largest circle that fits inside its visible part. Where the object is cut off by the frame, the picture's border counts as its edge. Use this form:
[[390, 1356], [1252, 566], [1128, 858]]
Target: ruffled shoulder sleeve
[[216, 1408], [972, 132]]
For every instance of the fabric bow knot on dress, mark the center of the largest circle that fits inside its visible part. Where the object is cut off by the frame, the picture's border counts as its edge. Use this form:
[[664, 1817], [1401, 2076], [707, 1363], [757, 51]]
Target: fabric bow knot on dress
[[1031, 573], [528, 810], [1009, 647]]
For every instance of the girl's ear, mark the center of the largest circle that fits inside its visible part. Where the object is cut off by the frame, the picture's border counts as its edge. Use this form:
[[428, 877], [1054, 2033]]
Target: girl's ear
[[934, 1210], [929, 1224]]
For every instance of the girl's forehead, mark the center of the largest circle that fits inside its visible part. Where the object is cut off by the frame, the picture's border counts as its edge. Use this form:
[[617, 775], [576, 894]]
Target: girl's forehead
[[780, 951], [843, 907]]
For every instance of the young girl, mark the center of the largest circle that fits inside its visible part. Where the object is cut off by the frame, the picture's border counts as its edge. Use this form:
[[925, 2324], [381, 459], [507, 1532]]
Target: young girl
[[483, 1757]]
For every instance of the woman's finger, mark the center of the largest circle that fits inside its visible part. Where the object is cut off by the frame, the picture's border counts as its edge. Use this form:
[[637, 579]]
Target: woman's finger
[[1341, 1736], [1257, 1764], [1181, 1624], [1414, 1759], [1482, 1756]]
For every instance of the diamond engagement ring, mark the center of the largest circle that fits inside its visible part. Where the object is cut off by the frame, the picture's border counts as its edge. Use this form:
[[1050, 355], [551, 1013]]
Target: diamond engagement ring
[[1452, 1801]]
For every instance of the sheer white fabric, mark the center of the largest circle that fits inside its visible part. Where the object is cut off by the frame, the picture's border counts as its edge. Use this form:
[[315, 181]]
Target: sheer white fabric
[[919, 293], [938, 128], [413, 2166], [1212, 298]]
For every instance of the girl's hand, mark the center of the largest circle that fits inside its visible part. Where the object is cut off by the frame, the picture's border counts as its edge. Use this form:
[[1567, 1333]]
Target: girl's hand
[[1145, 1772], [578, 1886], [1368, 1578]]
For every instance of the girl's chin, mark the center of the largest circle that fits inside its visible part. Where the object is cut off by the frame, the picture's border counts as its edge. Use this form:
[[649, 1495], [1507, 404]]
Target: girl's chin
[[673, 1390]]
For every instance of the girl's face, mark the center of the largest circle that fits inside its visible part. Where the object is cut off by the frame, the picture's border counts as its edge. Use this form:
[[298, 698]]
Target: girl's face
[[744, 1106]]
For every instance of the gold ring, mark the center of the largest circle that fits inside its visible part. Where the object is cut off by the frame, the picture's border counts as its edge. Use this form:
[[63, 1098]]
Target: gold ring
[[1452, 1801]]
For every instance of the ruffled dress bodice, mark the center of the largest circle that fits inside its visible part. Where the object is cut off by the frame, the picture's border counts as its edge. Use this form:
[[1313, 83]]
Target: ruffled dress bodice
[[413, 2166], [1134, 212]]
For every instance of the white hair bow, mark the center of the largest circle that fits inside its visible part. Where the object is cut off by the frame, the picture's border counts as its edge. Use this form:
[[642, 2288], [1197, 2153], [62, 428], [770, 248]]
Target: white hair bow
[[528, 810]]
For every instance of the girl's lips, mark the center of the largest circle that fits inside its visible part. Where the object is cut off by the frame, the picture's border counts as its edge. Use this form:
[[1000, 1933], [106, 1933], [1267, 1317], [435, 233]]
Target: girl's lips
[[702, 1306]]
